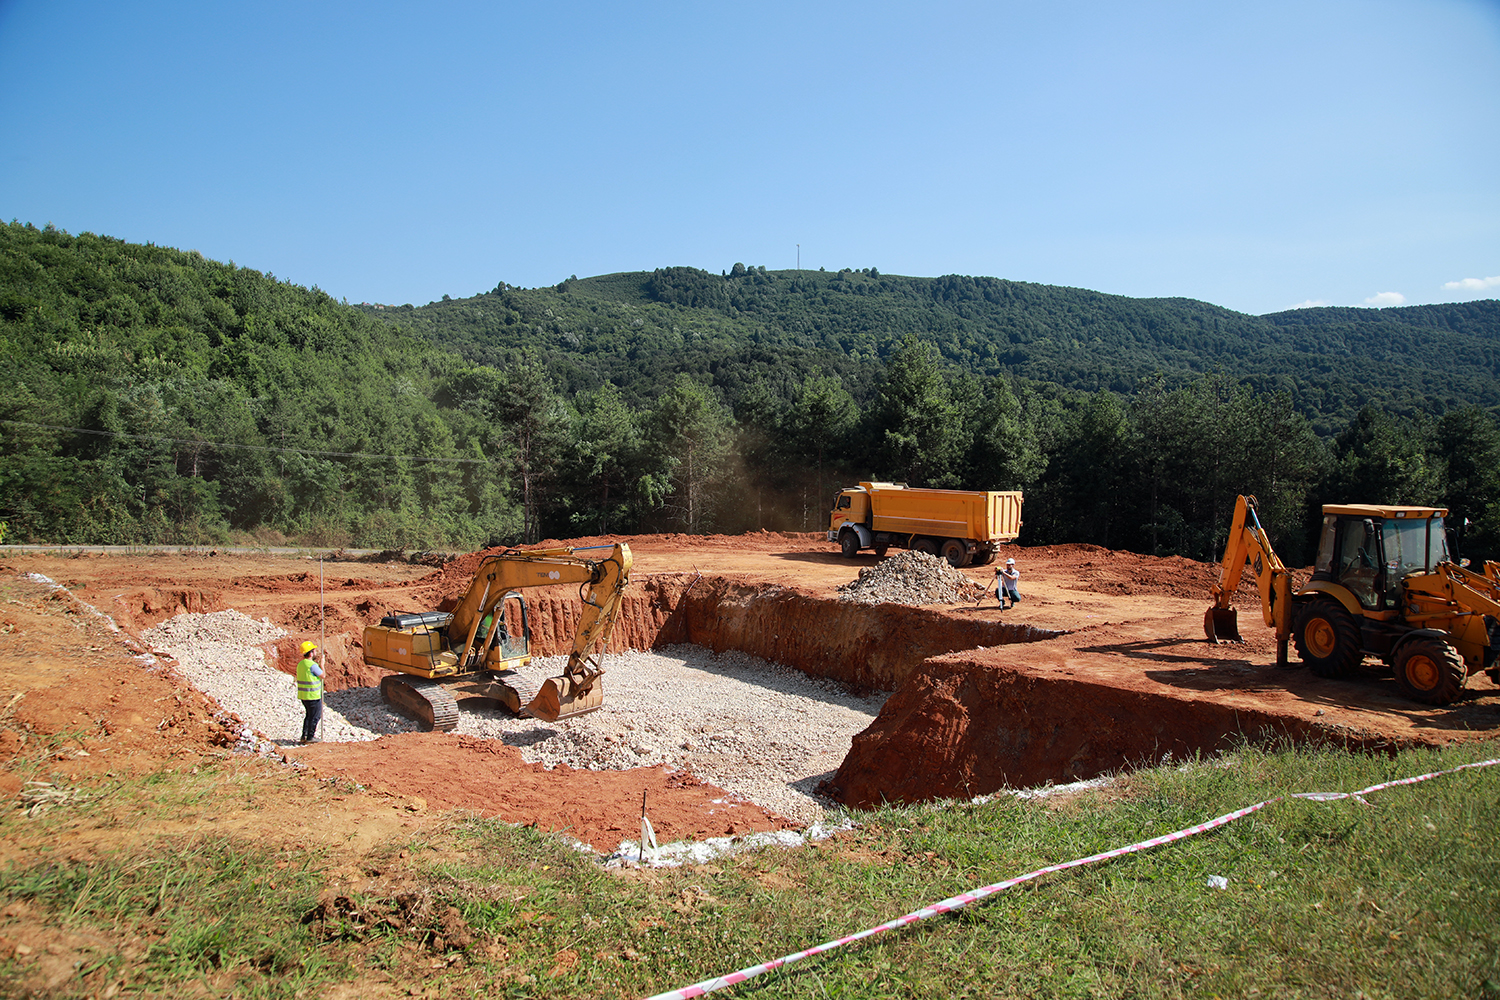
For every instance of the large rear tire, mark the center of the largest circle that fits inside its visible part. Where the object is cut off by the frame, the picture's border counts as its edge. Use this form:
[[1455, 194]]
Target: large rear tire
[[849, 544], [1327, 638], [984, 558], [925, 545], [1429, 670], [955, 552]]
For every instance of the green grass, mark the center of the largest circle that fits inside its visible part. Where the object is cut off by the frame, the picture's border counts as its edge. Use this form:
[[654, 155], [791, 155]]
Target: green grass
[[182, 913], [1396, 897]]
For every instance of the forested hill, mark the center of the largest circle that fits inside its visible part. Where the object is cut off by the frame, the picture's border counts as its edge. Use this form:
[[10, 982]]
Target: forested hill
[[155, 396], [630, 328]]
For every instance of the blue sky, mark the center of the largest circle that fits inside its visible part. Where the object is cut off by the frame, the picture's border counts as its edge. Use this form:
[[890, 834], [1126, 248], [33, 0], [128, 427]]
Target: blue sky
[[1258, 156]]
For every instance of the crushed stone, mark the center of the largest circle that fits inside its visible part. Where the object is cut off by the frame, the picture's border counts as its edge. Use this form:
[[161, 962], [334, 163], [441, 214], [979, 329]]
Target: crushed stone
[[759, 730], [911, 577]]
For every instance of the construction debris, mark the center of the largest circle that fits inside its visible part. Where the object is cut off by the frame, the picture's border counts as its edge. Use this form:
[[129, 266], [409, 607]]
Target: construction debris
[[39, 796], [911, 578]]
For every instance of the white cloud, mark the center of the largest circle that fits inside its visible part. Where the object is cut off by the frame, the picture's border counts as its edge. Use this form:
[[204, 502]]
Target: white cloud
[[1385, 299], [1309, 304], [1472, 284]]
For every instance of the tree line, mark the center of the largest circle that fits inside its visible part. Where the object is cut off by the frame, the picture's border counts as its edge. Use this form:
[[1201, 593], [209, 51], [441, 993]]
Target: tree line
[[160, 397]]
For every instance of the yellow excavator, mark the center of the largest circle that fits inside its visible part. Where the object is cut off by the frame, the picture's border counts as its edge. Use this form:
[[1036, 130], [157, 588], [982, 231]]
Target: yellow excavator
[[1383, 585], [475, 651]]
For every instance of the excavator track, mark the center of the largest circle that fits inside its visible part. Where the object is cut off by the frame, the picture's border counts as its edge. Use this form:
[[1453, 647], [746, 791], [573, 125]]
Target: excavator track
[[428, 702], [503, 686]]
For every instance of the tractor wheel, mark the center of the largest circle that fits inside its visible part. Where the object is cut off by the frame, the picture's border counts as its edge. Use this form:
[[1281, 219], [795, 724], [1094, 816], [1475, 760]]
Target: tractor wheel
[[849, 543], [1327, 639], [1429, 670], [955, 552], [926, 546]]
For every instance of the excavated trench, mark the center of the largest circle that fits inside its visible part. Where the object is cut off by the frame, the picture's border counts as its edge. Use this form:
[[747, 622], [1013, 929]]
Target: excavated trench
[[958, 723]]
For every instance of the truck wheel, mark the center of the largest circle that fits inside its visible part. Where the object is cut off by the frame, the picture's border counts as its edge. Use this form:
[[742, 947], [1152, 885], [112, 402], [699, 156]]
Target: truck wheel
[[1429, 670], [926, 546], [1327, 639], [955, 552], [984, 558], [849, 543], [881, 547]]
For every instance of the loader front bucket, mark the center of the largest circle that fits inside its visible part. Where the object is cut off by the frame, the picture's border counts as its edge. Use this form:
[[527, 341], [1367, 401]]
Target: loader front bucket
[[560, 698], [1222, 625]]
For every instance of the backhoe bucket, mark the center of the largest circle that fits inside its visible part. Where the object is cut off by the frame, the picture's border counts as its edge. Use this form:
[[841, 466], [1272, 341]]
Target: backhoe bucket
[[559, 698], [1222, 625]]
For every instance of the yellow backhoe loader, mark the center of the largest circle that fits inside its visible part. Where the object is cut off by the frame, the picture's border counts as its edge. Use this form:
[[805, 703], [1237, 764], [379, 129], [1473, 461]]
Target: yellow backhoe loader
[[474, 651], [1383, 585]]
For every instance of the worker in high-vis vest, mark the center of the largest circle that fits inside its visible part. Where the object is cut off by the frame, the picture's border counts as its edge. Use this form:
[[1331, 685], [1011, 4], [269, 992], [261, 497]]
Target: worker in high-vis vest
[[310, 690]]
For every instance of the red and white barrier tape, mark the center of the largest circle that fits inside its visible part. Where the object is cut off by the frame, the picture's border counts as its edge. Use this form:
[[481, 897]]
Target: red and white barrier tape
[[974, 895]]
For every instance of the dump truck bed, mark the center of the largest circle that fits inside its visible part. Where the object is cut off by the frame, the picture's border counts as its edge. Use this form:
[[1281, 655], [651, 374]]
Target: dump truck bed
[[987, 515]]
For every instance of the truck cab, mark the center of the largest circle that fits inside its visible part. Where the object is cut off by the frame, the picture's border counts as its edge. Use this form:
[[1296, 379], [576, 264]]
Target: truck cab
[[850, 507]]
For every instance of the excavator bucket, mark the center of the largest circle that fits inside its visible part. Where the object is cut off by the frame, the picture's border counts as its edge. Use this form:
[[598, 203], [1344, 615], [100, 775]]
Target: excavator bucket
[[560, 698], [1222, 625]]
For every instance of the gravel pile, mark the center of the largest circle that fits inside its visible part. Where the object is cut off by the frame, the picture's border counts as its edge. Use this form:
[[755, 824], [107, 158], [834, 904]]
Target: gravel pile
[[758, 730], [910, 578], [762, 731], [219, 654]]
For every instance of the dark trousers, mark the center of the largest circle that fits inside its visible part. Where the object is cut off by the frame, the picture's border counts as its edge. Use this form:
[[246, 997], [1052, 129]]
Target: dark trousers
[[1007, 592], [314, 710]]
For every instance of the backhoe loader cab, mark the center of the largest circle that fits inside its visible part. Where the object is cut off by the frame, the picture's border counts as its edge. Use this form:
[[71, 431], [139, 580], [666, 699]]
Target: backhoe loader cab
[[1383, 585], [1370, 550]]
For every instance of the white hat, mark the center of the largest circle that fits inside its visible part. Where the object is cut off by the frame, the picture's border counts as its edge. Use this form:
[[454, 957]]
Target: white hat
[[1010, 562]]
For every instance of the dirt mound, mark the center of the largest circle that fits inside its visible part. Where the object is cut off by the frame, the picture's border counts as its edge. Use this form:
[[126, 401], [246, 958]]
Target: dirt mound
[[911, 578]]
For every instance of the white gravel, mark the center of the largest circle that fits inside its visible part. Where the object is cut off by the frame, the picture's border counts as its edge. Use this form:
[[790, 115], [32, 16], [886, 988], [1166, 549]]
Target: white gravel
[[911, 577], [761, 731]]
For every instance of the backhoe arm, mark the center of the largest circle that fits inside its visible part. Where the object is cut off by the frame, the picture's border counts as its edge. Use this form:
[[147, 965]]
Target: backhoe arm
[[1248, 543]]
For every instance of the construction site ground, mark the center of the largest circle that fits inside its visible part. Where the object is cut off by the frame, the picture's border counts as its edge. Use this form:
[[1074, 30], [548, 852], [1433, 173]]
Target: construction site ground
[[1102, 666]]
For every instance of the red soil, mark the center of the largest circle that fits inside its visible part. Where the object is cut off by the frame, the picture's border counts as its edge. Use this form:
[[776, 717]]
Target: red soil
[[1103, 664]]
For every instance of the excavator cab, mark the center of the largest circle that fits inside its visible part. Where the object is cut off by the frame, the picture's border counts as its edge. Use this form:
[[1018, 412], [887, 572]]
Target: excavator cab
[[508, 644]]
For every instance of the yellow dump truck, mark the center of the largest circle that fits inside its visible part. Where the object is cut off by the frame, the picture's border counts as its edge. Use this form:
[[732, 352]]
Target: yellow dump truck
[[965, 527]]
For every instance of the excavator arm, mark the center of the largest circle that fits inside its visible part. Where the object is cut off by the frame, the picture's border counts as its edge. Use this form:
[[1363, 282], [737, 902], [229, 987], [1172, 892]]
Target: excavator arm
[[601, 583], [577, 689], [1249, 544], [499, 574]]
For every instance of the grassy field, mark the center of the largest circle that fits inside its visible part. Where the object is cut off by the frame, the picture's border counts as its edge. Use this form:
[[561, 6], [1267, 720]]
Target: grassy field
[[1396, 896]]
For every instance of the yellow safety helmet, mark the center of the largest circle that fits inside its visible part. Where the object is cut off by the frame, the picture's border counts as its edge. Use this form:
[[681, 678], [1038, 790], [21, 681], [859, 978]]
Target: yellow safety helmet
[[308, 647]]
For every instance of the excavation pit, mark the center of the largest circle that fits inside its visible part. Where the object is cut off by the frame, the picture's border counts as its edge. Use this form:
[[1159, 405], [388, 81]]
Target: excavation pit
[[1102, 666]]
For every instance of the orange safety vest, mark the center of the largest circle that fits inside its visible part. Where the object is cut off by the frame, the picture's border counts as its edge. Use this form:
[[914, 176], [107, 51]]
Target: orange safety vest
[[309, 685]]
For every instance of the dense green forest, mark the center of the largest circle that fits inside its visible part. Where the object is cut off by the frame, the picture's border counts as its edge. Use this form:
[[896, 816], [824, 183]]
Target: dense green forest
[[628, 328], [156, 396]]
